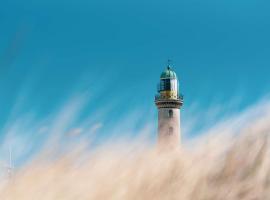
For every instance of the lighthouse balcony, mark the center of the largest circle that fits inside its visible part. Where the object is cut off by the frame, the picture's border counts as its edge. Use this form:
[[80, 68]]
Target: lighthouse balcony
[[159, 97], [172, 101]]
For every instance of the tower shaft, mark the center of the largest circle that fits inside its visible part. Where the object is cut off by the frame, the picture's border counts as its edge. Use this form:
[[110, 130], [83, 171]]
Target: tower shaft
[[169, 128]]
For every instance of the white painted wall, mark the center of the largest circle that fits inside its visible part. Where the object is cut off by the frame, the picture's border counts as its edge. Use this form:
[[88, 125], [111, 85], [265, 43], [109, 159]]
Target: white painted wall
[[169, 127]]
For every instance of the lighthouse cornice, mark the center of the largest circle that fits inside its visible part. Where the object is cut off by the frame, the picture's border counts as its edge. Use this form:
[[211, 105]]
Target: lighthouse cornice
[[169, 103]]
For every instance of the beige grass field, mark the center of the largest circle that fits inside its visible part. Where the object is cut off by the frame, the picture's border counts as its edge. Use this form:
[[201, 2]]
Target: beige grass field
[[226, 163]]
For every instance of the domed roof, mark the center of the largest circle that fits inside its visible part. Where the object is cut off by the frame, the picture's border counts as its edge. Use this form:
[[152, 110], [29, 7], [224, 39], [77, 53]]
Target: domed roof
[[168, 73]]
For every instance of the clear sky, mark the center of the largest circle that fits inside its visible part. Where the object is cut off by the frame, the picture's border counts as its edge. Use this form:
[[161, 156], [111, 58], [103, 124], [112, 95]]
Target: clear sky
[[104, 59]]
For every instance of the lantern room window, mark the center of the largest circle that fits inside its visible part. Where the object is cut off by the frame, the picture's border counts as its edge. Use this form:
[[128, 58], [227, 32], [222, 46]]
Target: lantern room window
[[168, 85]]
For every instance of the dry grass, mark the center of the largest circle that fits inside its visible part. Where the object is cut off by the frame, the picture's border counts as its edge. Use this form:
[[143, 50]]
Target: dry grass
[[228, 163]]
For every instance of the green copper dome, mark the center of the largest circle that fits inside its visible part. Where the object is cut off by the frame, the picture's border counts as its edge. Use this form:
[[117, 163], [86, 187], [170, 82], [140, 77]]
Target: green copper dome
[[168, 73]]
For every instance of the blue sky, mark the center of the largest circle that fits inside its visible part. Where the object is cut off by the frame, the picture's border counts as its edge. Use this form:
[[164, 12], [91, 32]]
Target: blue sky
[[104, 59]]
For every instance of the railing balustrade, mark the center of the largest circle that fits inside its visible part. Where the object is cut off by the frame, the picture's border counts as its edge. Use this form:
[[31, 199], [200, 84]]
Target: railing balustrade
[[160, 98]]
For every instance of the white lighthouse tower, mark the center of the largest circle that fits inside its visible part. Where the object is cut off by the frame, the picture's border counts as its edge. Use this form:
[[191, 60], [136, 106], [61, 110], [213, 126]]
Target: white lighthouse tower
[[169, 101]]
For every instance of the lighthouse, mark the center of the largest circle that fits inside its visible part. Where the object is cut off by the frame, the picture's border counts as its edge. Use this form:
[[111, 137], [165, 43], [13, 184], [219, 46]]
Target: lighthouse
[[168, 102]]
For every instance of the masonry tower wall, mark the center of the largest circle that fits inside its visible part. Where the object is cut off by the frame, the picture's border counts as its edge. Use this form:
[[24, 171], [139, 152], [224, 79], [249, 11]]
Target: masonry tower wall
[[169, 128]]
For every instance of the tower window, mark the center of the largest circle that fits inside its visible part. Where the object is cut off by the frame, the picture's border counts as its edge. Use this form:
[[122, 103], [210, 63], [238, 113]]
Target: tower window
[[170, 113], [170, 130]]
